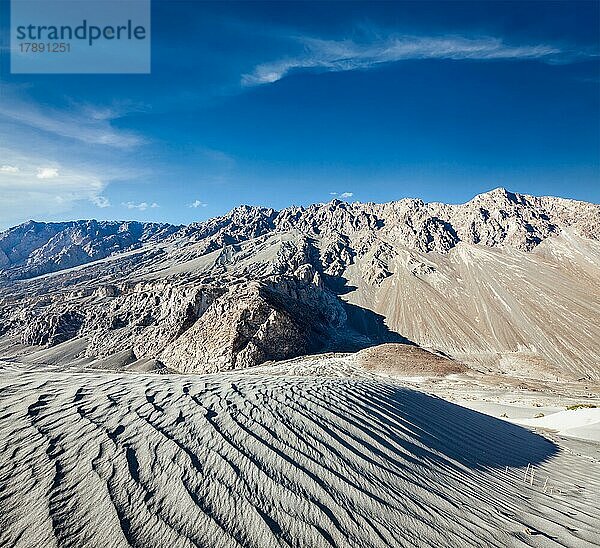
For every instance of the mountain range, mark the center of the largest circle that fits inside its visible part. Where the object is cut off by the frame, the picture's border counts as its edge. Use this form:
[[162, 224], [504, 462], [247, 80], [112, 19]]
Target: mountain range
[[506, 282]]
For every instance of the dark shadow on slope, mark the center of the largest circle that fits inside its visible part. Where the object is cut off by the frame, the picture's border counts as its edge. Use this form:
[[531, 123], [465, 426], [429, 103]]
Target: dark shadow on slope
[[372, 325], [337, 284], [364, 329]]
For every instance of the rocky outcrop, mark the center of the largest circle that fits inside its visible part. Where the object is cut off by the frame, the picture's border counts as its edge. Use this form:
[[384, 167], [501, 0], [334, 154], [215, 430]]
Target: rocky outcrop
[[502, 279], [245, 327], [52, 328], [145, 318], [193, 327]]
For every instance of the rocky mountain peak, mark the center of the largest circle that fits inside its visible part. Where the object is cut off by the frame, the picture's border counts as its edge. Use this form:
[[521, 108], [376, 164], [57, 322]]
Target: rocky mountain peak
[[495, 218], [257, 284], [35, 248]]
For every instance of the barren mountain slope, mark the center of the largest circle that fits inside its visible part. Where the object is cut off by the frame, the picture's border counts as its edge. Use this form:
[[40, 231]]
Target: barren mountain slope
[[524, 313], [32, 249], [506, 282]]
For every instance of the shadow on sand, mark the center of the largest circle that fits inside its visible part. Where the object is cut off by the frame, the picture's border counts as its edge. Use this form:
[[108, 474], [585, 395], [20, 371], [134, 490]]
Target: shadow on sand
[[434, 429]]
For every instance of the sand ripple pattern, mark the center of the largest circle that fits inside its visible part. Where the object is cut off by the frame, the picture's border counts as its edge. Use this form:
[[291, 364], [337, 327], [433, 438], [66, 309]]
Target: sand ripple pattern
[[225, 461]]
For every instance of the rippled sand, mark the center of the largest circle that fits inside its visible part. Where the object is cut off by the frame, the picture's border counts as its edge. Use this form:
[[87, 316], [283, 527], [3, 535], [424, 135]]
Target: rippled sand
[[237, 460]]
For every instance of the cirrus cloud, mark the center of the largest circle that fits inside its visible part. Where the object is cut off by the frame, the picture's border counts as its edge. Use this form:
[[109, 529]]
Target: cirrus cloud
[[346, 55], [83, 123]]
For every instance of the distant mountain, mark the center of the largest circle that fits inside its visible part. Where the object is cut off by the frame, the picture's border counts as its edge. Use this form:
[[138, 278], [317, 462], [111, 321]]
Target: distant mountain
[[505, 282], [496, 218], [34, 248]]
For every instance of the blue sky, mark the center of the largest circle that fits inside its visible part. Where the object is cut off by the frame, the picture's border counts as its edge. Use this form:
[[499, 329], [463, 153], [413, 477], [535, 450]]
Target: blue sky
[[284, 103]]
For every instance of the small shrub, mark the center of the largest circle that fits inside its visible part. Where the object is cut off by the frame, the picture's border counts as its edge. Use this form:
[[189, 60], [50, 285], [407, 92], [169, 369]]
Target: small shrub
[[582, 406]]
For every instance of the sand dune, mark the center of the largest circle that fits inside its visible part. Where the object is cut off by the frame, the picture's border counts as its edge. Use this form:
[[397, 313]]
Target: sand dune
[[580, 423], [260, 461]]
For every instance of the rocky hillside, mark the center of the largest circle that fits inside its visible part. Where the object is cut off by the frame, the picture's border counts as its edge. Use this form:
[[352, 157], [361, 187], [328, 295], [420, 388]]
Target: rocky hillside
[[496, 218], [32, 249], [503, 282]]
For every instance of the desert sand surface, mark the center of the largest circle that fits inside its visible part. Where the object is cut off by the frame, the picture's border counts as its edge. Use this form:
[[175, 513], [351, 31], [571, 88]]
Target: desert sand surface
[[271, 459], [577, 423]]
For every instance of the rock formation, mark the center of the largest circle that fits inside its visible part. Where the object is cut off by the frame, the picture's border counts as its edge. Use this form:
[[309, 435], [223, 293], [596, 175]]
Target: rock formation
[[503, 282]]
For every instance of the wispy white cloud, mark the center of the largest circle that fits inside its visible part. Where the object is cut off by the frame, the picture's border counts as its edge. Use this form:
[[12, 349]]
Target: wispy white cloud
[[90, 125], [345, 55], [35, 187], [342, 195], [142, 206], [198, 203], [57, 164]]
